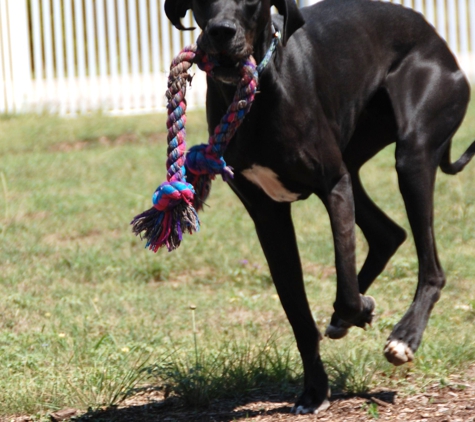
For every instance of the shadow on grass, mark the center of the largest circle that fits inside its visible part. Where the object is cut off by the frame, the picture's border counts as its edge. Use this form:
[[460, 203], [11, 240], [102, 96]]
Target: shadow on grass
[[268, 406]]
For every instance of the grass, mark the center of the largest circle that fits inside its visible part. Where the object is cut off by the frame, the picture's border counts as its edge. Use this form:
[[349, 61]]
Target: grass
[[87, 315]]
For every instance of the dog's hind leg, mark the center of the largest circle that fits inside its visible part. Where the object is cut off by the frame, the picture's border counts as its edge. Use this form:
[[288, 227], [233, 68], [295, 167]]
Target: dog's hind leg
[[384, 237], [416, 180], [427, 117], [276, 234], [376, 129], [350, 305]]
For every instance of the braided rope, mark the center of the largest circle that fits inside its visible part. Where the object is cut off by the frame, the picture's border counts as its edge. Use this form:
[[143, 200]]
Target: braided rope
[[175, 201], [172, 211]]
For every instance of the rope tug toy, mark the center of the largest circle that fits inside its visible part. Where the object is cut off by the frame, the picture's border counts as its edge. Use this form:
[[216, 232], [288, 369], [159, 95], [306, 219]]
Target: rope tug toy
[[176, 201]]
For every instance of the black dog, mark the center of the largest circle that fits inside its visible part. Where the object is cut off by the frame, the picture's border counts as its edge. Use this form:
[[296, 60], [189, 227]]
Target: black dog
[[351, 77]]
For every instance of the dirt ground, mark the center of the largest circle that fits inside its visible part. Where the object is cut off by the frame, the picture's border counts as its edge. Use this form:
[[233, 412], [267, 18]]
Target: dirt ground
[[454, 402], [436, 405]]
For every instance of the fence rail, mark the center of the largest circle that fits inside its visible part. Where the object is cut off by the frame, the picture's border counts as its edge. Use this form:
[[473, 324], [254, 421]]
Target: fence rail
[[70, 56]]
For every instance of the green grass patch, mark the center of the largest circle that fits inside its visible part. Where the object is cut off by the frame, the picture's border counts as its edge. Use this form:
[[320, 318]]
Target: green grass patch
[[87, 315]]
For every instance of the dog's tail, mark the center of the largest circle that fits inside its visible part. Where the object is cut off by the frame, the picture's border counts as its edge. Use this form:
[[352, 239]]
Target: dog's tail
[[453, 168]]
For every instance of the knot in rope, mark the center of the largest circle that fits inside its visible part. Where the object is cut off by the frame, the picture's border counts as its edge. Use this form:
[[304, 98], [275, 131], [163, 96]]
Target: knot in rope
[[201, 161], [169, 194]]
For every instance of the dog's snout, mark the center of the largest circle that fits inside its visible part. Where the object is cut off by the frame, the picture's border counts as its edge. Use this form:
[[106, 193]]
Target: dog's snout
[[222, 31]]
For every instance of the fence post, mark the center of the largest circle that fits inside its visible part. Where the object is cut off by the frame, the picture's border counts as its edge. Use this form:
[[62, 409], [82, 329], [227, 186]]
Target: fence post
[[471, 20], [16, 51], [3, 60]]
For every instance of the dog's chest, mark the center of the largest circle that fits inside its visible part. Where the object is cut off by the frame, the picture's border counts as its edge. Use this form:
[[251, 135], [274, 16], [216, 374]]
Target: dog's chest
[[266, 179]]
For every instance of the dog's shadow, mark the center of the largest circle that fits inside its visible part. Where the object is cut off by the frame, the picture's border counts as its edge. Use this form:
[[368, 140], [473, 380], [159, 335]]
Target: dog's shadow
[[226, 410]]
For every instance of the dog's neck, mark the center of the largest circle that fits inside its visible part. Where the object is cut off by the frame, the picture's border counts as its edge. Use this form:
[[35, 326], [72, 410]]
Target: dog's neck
[[264, 41]]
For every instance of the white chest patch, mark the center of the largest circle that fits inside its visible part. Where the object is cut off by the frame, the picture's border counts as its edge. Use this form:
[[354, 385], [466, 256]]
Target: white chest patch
[[269, 182]]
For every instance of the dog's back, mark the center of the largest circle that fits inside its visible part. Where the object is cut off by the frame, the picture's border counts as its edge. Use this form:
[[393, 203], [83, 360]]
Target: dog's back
[[354, 45]]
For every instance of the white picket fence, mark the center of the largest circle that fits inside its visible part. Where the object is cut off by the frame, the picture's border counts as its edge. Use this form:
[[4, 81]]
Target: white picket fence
[[69, 56], [73, 56]]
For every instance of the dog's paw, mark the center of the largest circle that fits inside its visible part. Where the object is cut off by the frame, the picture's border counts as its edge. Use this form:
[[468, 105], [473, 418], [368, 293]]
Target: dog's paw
[[398, 352], [367, 313], [338, 328], [304, 410], [312, 401]]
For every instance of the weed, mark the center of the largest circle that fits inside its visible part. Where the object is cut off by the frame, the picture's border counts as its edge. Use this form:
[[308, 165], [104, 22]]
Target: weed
[[110, 382], [5, 194], [352, 371], [372, 411]]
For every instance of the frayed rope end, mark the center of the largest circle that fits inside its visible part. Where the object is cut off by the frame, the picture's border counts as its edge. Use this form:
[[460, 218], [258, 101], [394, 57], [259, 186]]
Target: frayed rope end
[[165, 228]]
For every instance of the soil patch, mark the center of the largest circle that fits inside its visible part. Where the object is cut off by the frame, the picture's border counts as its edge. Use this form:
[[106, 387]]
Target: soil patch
[[451, 403], [454, 402]]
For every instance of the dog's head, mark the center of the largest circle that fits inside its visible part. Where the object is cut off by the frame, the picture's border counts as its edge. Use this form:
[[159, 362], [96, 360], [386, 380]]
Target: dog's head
[[231, 28]]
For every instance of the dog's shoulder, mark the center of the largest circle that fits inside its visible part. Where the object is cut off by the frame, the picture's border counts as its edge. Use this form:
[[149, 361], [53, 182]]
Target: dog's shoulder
[[344, 26]]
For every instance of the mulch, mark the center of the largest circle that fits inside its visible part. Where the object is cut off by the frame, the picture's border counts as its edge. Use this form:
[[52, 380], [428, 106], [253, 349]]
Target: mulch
[[451, 403]]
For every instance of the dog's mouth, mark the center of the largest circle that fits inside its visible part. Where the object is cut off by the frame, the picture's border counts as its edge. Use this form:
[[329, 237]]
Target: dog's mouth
[[228, 69], [228, 62]]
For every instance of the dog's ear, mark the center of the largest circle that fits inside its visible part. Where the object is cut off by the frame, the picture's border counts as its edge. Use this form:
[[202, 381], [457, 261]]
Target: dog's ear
[[175, 10], [293, 19]]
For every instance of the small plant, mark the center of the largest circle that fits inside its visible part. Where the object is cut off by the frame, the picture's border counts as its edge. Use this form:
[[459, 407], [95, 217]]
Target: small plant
[[351, 372], [372, 410], [5, 194], [112, 380]]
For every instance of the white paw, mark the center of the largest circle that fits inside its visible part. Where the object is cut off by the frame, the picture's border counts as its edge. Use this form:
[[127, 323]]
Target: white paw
[[398, 352], [302, 410], [335, 332]]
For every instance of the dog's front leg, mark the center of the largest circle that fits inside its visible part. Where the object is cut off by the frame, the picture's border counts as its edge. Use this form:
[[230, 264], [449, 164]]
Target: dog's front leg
[[277, 237], [350, 305]]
